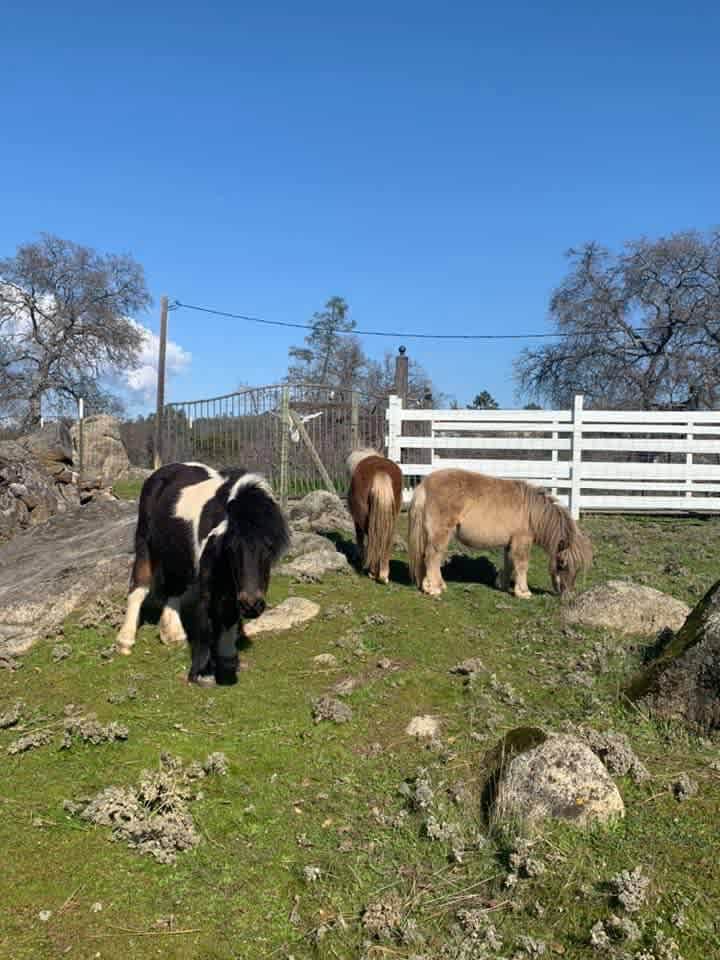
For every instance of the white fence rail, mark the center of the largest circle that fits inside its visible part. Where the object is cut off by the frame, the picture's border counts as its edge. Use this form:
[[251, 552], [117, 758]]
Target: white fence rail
[[606, 460]]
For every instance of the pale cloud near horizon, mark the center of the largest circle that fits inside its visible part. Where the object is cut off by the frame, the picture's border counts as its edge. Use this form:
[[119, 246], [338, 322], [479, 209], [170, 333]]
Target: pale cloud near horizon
[[138, 384], [141, 382]]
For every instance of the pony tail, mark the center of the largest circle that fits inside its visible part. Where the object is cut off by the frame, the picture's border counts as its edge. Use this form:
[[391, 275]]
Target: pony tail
[[417, 537], [381, 522]]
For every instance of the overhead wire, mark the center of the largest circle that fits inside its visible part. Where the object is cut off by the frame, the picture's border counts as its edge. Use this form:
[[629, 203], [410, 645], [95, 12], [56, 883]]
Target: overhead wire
[[394, 334]]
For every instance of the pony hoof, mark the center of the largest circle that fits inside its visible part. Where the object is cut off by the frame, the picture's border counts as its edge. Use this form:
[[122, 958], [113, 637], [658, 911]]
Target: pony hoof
[[203, 680], [523, 594], [123, 649], [432, 591]]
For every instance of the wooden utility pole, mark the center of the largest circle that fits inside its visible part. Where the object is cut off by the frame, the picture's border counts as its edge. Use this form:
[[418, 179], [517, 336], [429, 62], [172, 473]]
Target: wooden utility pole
[[354, 420], [401, 375], [160, 409]]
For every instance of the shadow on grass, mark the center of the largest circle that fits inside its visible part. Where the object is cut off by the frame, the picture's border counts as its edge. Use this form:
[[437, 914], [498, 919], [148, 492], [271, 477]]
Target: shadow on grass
[[461, 568]]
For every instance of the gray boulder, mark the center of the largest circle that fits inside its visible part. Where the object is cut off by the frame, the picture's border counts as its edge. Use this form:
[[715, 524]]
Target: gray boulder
[[683, 683], [626, 608], [52, 446], [317, 563], [29, 494], [302, 543], [321, 512], [49, 571], [290, 613], [558, 778], [104, 452], [311, 556]]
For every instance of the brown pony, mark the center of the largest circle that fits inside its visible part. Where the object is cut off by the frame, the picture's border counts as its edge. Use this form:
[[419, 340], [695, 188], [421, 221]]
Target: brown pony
[[374, 500], [485, 511]]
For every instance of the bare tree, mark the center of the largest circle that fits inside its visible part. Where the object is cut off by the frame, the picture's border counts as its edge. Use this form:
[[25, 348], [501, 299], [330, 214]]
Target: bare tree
[[65, 323], [638, 329], [333, 356]]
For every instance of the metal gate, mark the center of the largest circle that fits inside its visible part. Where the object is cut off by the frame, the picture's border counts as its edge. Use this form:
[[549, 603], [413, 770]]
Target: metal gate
[[297, 435]]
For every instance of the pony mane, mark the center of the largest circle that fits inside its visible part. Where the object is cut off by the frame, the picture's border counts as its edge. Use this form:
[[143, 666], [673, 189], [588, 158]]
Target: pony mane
[[554, 528], [357, 456], [254, 515]]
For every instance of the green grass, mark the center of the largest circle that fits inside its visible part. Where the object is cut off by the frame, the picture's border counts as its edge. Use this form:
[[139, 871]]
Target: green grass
[[300, 794], [127, 489]]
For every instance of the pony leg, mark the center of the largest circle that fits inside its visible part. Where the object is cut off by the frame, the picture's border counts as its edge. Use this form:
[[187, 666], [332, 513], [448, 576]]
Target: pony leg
[[171, 628], [200, 632], [505, 577], [433, 583], [225, 653], [360, 540], [140, 581], [520, 551]]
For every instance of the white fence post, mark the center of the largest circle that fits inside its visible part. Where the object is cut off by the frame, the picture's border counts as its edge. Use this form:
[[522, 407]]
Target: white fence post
[[689, 463], [394, 427], [576, 452], [81, 437]]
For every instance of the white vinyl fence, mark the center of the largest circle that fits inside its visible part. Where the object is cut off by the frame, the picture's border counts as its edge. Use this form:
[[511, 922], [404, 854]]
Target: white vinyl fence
[[606, 460]]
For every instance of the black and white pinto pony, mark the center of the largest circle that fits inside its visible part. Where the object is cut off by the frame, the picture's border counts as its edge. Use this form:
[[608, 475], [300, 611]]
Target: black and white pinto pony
[[204, 545]]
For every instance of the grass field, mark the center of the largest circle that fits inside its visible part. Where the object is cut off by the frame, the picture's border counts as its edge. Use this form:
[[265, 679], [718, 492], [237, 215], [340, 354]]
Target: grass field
[[302, 795]]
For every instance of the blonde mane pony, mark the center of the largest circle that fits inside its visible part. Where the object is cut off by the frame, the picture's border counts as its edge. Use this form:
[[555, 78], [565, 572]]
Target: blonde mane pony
[[374, 500], [357, 456], [484, 511], [554, 530]]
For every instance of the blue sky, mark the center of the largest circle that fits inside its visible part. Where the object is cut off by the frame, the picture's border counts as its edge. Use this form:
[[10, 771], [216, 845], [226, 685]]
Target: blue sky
[[428, 162]]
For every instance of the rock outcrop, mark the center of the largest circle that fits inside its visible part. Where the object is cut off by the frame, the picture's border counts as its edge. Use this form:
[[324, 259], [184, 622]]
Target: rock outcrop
[[31, 489], [290, 613], [552, 777], [104, 452], [683, 683], [321, 512], [626, 608], [51, 570]]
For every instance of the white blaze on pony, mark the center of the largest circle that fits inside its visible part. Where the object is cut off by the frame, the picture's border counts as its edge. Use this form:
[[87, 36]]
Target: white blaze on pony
[[483, 511], [204, 544]]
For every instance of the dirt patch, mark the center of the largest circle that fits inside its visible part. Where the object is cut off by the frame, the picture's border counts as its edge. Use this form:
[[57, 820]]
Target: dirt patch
[[684, 788], [329, 708], [382, 919], [153, 817], [30, 741], [325, 660], [630, 889], [423, 727], [615, 751], [469, 668], [89, 730], [12, 716]]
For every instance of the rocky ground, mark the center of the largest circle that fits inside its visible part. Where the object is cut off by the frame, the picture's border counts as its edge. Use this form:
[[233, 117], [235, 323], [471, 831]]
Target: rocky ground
[[400, 777]]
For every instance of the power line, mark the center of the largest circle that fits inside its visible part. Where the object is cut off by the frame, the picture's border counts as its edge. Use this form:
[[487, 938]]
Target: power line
[[397, 335]]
